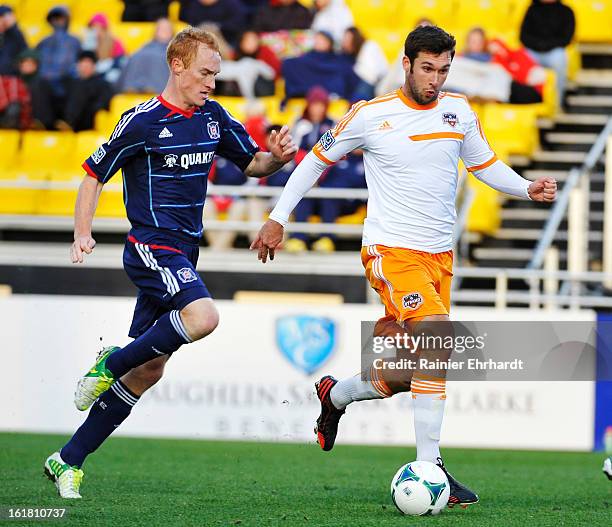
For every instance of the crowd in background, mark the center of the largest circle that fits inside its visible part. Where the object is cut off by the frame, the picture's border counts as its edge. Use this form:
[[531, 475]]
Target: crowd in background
[[63, 81]]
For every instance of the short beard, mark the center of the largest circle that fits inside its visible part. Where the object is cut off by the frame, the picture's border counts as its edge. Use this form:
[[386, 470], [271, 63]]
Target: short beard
[[417, 96]]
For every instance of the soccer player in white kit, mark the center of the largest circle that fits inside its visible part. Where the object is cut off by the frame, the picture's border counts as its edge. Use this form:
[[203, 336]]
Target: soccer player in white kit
[[412, 140]]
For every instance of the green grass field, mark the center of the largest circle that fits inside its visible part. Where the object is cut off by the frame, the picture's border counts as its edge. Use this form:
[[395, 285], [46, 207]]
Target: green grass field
[[171, 482]]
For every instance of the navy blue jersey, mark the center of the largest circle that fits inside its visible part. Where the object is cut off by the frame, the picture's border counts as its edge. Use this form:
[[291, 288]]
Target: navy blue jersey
[[166, 154]]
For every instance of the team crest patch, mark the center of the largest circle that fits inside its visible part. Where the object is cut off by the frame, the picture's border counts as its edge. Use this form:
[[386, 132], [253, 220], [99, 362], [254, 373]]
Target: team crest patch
[[327, 140], [213, 130], [98, 155], [171, 160], [186, 275], [450, 119], [412, 301]]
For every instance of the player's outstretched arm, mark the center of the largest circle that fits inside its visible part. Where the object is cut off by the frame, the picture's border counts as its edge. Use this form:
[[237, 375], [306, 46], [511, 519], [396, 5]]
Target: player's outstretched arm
[[282, 150], [84, 210], [501, 177]]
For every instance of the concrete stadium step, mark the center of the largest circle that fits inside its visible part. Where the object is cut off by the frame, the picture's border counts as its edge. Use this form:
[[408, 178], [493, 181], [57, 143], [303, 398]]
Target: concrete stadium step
[[581, 119], [600, 101], [536, 234], [571, 138], [531, 214], [594, 78]]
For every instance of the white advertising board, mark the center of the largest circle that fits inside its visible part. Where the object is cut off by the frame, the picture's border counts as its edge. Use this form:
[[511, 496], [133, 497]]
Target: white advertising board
[[237, 384]]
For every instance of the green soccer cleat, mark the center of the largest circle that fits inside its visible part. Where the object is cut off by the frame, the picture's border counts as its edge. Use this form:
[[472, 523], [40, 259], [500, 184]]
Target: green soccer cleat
[[95, 382], [67, 479]]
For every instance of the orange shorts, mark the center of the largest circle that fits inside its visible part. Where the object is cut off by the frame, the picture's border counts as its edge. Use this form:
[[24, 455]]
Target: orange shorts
[[410, 283]]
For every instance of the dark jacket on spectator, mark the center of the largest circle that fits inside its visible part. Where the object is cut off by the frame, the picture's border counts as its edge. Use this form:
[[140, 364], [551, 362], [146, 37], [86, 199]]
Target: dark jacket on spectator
[[58, 57], [274, 18], [86, 97], [144, 10], [329, 70], [229, 15], [11, 44], [547, 26]]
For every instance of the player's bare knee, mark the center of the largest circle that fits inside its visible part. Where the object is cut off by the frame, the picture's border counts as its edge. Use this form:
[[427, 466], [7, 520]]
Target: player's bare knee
[[200, 318]]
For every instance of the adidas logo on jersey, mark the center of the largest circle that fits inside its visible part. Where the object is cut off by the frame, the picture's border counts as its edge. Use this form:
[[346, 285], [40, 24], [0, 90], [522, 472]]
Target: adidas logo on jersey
[[385, 126], [165, 133]]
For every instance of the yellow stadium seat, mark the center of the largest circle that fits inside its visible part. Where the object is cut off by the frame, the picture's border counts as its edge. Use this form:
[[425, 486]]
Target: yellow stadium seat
[[378, 13], [9, 146], [440, 12], [134, 35], [111, 203], [338, 108], [234, 105], [593, 20], [574, 61], [84, 10], [391, 42], [125, 101], [43, 154], [492, 15], [173, 10], [35, 32], [511, 126], [484, 215]]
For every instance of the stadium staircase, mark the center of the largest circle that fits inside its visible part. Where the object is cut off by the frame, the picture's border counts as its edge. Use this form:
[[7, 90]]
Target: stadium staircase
[[564, 143]]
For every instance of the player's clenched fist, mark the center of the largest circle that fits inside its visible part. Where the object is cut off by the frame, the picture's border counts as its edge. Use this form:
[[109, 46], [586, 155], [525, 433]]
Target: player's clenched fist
[[82, 244], [543, 189], [281, 145], [268, 239]]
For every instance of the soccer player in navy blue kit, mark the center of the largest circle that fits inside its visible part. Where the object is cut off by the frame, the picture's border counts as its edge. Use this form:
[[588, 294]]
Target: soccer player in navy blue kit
[[165, 147]]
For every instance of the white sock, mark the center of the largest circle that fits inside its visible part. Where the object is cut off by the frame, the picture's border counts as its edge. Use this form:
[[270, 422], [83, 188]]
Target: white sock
[[428, 415], [353, 389]]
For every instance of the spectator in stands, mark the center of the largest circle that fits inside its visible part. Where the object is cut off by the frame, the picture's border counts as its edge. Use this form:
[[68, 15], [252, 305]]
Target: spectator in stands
[[282, 14], [370, 62], [321, 66], [253, 76], [332, 16], [145, 10], [87, 94], [228, 15], [58, 54], [12, 41], [147, 70], [15, 105], [490, 71], [39, 90], [547, 29], [108, 48], [306, 133], [280, 177]]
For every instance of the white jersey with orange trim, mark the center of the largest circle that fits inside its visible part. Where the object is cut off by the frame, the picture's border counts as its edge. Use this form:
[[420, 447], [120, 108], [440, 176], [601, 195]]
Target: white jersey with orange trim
[[411, 156]]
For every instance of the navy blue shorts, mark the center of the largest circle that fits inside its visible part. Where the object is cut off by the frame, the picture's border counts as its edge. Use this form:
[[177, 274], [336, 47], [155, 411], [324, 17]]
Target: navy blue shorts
[[163, 268]]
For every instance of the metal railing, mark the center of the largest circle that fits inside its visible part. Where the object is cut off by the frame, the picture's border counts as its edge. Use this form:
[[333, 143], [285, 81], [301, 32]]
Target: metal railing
[[561, 204]]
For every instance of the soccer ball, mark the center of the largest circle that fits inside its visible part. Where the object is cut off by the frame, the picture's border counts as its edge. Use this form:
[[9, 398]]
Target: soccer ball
[[420, 488]]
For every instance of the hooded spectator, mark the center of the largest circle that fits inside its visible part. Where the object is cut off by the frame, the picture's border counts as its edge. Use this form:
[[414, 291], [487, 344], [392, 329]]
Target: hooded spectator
[[108, 49], [12, 41], [58, 53]]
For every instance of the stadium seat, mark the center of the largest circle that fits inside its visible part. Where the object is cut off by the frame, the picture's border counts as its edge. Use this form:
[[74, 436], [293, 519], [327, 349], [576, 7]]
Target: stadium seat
[[123, 102], [134, 35], [440, 12], [512, 126], [83, 11], [35, 11], [44, 154], [234, 105], [484, 215], [492, 15], [593, 20], [377, 13], [9, 146], [391, 41]]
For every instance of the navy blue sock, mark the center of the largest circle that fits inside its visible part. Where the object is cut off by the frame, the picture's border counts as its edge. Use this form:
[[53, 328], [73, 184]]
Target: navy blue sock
[[106, 414], [166, 336]]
